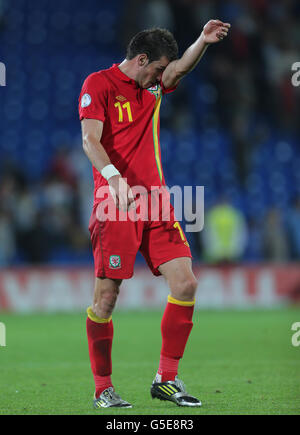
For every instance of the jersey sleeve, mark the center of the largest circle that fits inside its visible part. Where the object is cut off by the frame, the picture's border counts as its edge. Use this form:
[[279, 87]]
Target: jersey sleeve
[[169, 90], [93, 98]]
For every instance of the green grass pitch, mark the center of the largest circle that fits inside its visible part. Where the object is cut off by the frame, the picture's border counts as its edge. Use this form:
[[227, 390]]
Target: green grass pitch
[[236, 362]]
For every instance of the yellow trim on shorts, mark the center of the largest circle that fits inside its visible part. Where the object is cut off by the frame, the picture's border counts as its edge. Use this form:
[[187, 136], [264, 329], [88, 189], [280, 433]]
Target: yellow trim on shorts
[[92, 316], [182, 303]]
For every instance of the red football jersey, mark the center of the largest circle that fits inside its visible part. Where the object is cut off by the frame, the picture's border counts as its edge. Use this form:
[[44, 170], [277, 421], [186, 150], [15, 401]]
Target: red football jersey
[[130, 117]]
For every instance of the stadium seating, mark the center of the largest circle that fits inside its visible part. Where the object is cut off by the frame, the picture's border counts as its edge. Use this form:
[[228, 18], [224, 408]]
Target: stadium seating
[[50, 47]]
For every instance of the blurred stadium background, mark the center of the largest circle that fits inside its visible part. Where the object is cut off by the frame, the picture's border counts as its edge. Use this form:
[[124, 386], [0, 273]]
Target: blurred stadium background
[[232, 126]]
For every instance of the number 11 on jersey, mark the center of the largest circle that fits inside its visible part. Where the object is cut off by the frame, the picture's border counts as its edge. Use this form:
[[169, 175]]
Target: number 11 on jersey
[[120, 109]]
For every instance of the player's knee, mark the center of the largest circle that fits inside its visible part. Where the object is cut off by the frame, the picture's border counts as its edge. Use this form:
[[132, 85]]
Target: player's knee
[[105, 298], [104, 305], [186, 289]]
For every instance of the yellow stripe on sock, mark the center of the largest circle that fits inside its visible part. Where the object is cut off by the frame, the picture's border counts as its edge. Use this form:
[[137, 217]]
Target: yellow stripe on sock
[[92, 316], [182, 303]]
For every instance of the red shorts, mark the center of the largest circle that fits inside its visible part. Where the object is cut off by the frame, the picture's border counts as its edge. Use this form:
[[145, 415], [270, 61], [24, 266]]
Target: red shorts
[[115, 242]]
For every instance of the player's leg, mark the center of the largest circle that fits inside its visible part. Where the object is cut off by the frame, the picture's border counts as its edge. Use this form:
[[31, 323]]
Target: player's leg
[[167, 253], [180, 278], [106, 292], [99, 327], [176, 326], [115, 243], [100, 331], [177, 322]]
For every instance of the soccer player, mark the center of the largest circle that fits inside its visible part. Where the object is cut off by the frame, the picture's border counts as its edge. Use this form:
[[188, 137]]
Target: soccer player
[[119, 113]]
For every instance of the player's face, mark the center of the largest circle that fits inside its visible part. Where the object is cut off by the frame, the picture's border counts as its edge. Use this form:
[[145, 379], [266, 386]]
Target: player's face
[[151, 73]]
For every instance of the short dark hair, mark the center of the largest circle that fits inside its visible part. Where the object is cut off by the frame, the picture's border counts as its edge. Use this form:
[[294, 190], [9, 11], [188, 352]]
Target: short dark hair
[[155, 42]]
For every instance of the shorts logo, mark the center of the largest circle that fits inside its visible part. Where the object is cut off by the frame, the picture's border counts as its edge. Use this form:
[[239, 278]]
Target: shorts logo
[[86, 100], [115, 261]]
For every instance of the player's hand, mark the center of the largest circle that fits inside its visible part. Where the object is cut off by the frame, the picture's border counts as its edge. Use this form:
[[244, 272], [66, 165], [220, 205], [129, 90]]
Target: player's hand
[[215, 31], [121, 193]]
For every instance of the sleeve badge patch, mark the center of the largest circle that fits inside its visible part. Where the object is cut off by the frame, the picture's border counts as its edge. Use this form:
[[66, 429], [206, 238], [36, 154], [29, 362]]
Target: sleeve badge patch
[[86, 100]]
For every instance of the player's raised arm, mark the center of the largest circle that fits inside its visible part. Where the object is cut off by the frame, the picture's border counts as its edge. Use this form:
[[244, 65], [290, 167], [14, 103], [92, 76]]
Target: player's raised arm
[[91, 137], [214, 31]]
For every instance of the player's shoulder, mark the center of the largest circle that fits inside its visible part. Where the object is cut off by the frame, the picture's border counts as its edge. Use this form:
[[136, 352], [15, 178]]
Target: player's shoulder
[[97, 80]]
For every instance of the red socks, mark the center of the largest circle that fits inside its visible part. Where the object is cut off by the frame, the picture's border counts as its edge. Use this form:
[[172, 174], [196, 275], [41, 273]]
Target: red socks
[[100, 336], [176, 326]]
